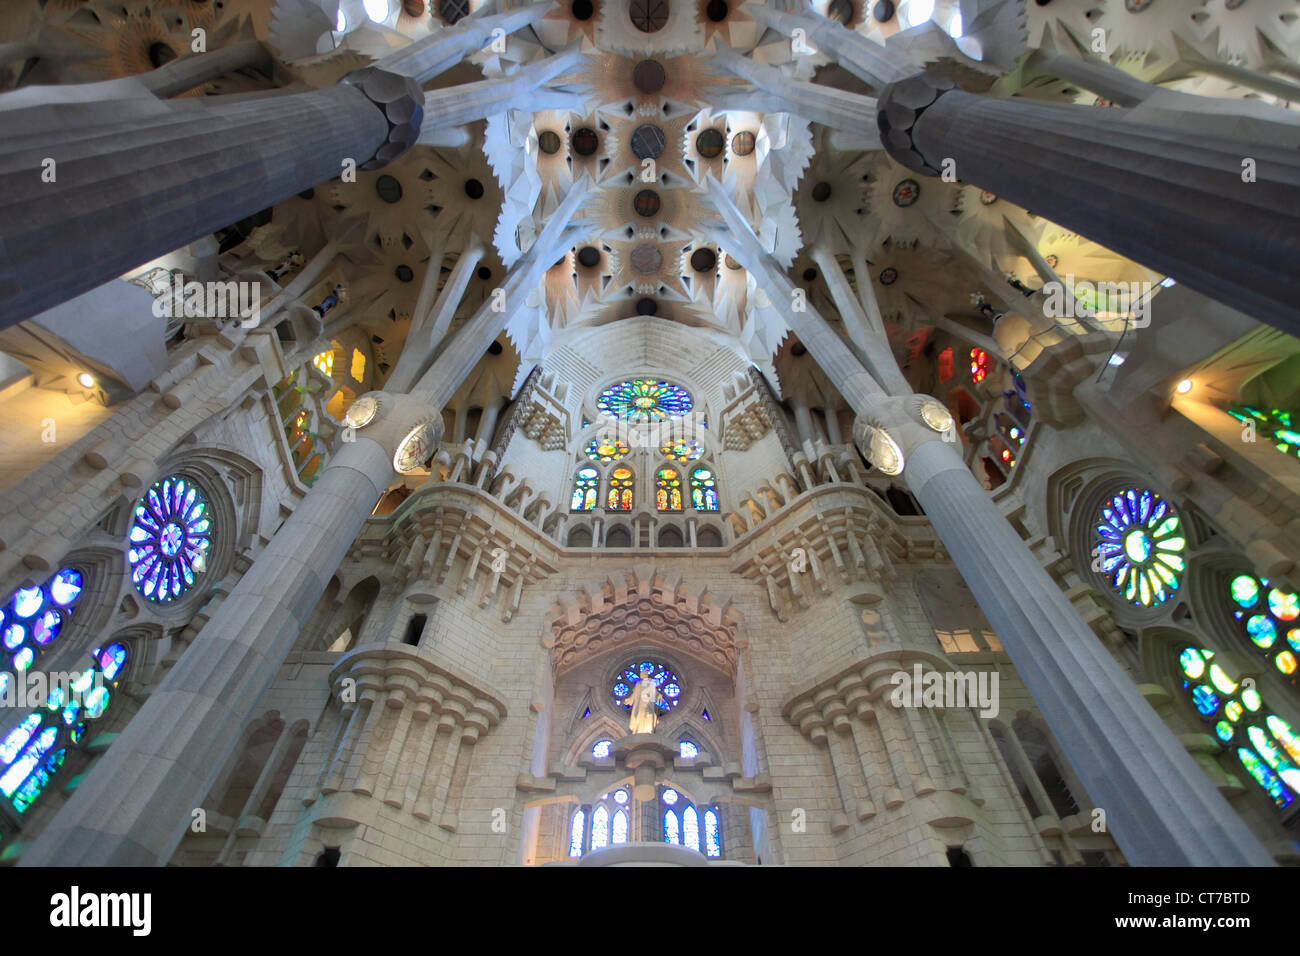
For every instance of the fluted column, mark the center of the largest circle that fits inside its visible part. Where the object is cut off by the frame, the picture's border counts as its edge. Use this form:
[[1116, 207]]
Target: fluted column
[[1162, 807], [1219, 215], [136, 178]]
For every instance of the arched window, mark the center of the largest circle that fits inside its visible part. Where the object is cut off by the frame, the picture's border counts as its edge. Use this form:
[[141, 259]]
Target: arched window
[[704, 490], [687, 750], [586, 485], [682, 450], [1267, 617], [611, 823], [606, 449], [32, 753], [170, 536], [1278, 427], [600, 749], [35, 617], [619, 497], [1140, 544], [685, 826], [576, 832], [1267, 746], [668, 490]]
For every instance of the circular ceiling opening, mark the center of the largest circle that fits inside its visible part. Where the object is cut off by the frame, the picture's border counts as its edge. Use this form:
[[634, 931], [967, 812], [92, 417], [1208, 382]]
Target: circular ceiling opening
[[484, 273], [742, 144], [648, 16], [647, 259], [821, 192], [841, 10], [388, 188], [473, 189], [704, 260], [588, 256], [809, 275], [404, 274], [585, 141], [884, 10], [716, 10], [648, 142], [647, 203], [548, 141], [797, 350], [710, 143], [646, 307], [649, 76], [495, 349], [583, 9]]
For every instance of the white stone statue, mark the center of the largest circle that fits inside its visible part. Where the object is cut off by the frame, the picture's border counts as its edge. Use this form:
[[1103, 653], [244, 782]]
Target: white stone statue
[[645, 695]]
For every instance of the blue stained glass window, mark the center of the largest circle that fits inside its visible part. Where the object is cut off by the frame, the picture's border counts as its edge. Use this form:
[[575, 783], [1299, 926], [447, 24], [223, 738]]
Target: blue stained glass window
[[672, 833], [691, 828], [704, 490], [601, 749], [585, 487], [664, 679], [575, 833], [1140, 545], [712, 834], [600, 827], [170, 537], [619, 827], [687, 750], [1205, 700]]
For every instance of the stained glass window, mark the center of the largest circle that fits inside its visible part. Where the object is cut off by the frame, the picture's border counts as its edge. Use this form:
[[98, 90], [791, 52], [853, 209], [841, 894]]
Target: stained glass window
[[325, 362], [585, 488], [619, 496], [606, 449], [1277, 427], [704, 490], [712, 834], [1139, 544], [668, 490], [664, 679], [979, 365], [600, 827], [170, 537], [35, 616], [691, 828], [600, 750], [687, 750], [672, 831], [576, 834], [681, 450], [1266, 745], [32, 752], [644, 400], [619, 827], [1268, 617]]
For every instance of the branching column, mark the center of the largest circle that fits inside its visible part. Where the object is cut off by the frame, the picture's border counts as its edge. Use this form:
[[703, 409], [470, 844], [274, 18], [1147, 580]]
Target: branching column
[[1163, 809]]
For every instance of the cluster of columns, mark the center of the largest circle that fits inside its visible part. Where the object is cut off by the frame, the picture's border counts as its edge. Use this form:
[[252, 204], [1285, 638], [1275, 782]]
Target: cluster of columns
[[1162, 807], [191, 723], [1220, 215]]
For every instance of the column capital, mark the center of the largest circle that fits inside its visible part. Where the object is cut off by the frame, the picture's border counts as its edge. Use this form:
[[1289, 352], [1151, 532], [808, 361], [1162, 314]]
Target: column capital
[[899, 108], [890, 430], [400, 100], [397, 423]]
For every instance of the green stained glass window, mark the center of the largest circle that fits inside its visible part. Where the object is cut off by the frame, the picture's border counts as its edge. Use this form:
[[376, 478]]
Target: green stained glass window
[[645, 400], [1268, 618], [1275, 426]]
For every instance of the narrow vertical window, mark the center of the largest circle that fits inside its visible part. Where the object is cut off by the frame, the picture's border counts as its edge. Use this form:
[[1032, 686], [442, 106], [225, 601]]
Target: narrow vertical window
[[668, 490], [619, 497], [585, 485], [704, 490]]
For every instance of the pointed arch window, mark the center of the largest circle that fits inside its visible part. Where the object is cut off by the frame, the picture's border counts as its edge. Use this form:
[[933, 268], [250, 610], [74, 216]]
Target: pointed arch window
[[704, 490], [684, 825], [599, 827], [668, 490], [1267, 746], [619, 497], [586, 486], [576, 832], [1269, 618]]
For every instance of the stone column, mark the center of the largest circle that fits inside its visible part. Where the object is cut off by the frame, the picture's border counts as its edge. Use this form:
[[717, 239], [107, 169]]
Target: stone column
[[1163, 809], [1219, 215], [136, 178]]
